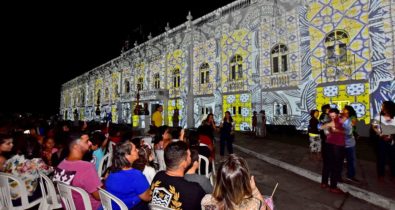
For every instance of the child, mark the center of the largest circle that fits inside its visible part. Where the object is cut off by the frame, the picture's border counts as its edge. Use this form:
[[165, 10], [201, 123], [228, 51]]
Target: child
[[99, 142], [48, 150]]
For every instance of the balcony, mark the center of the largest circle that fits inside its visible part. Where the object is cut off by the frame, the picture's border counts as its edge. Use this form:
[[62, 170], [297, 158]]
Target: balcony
[[156, 94], [285, 79], [235, 85], [338, 68]]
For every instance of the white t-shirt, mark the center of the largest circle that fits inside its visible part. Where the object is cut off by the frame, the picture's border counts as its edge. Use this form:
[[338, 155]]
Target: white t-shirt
[[149, 173]]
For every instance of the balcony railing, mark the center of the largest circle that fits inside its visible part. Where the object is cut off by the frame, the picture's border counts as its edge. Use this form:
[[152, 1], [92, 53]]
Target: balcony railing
[[235, 85], [338, 68]]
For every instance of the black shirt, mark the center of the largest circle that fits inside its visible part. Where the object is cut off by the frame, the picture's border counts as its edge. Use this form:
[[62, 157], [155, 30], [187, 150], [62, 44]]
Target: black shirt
[[178, 193]]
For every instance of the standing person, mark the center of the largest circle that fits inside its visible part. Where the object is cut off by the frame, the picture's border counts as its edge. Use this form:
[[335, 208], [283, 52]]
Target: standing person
[[157, 119], [261, 124], [349, 122], [175, 117], [264, 133], [324, 119], [334, 152], [206, 134], [126, 182], [254, 122], [227, 135], [234, 188], [314, 134], [383, 125]]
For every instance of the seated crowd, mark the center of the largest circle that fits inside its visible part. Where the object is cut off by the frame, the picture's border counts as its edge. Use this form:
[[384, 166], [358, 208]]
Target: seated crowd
[[156, 171]]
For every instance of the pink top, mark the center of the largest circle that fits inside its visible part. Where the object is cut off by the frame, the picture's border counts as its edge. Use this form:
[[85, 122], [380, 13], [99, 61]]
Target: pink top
[[86, 178], [336, 138]]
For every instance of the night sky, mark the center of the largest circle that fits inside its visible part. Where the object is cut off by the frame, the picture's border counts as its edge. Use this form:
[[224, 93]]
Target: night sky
[[46, 45]]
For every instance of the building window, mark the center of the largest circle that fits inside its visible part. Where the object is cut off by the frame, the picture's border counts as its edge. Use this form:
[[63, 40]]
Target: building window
[[236, 68], [336, 47], [176, 78], [127, 86], [98, 96], [140, 83], [156, 81], [204, 73], [279, 55], [106, 94]]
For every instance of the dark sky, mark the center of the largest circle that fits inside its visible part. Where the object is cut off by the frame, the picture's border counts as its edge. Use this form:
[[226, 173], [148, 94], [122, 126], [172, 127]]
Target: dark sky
[[46, 45]]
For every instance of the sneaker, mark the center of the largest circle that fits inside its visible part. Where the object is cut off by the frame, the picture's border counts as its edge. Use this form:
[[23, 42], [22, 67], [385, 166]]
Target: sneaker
[[324, 186], [336, 190]]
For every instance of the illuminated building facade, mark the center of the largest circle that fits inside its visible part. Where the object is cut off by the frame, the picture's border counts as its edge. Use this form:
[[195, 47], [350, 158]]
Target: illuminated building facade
[[286, 57]]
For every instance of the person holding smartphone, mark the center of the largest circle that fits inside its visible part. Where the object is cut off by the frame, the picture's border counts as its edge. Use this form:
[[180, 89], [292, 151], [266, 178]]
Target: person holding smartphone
[[385, 141]]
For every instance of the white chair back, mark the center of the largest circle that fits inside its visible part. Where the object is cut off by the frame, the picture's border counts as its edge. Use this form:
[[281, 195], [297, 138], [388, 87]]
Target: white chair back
[[105, 162], [50, 199], [65, 192], [5, 193], [111, 146], [106, 198], [206, 165]]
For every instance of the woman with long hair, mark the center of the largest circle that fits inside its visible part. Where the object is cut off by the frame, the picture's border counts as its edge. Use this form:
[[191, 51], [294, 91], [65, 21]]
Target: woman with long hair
[[125, 182], [334, 152], [227, 135], [234, 188], [384, 125], [314, 133], [349, 121], [206, 134]]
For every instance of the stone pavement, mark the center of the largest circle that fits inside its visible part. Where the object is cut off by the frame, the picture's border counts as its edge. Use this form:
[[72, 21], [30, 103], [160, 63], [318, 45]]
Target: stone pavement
[[297, 159]]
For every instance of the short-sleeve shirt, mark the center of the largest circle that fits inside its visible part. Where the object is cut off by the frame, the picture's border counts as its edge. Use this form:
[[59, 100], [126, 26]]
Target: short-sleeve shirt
[[176, 192], [86, 178], [127, 185], [157, 118], [97, 157]]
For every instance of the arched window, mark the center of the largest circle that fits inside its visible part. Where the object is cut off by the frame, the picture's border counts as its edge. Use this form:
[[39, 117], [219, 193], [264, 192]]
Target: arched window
[[236, 68], [116, 93], [82, 97], [140, 83], [127, 86], [156, 81], [336, 46], [204, 73], [279, 55], [98, 97], [176, 78]]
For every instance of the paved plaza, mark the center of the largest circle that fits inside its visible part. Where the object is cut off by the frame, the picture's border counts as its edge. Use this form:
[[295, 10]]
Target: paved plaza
[[299, 177]]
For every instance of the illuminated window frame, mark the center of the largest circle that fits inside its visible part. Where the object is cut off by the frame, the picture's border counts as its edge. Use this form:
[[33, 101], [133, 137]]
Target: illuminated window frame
[[279, 58]]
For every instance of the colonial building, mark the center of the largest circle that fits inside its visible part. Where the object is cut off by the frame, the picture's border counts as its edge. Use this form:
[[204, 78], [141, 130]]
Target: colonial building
[[286, 57]]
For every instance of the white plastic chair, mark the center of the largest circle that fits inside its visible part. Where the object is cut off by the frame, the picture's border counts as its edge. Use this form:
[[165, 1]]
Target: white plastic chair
[[65, 192], [105, 163], [206, 165], [50, 199], [111, 146], [5, 193], [106, 198]]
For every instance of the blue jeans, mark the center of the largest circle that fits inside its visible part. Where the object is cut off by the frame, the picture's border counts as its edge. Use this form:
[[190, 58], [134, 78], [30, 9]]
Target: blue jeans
[[351, 158]]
